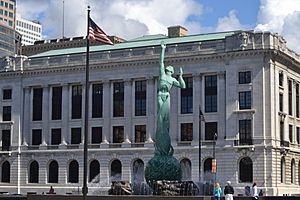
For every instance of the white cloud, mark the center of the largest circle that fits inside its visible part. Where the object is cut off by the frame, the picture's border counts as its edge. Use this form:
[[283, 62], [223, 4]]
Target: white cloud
[[230, 22], [281, 17], [124, 18]]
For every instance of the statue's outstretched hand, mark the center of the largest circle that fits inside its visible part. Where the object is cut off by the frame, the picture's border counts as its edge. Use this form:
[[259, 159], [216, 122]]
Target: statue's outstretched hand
[[163, 45], [180, 71]]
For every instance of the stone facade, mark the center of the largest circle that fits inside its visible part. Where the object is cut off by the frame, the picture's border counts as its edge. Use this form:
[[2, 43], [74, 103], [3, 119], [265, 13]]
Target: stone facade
[[224, 55]]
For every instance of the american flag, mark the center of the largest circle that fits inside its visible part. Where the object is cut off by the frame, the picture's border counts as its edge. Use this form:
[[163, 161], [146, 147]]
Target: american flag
[[96, 33]]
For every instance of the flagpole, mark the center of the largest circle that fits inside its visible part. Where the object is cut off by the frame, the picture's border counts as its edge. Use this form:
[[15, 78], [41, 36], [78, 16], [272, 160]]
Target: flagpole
[[86, 115]]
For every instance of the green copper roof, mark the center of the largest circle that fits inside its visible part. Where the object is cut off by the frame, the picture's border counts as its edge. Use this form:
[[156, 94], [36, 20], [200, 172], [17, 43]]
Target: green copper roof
[[135, 43]]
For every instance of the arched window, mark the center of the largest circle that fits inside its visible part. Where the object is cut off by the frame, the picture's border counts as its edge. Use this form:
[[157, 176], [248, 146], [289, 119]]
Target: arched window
[[246, 170], [282, 170], [207, 168], [186, 168], [5, 175], [138, 171], [293, 171], [53, 172], [73, 172], [94, 171], [33, 172], [116, 170]]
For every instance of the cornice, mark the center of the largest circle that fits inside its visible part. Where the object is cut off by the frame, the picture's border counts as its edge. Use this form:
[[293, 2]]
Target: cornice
[[173, 59]]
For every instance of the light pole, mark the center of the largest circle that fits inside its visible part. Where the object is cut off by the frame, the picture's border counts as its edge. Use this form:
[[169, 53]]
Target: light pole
[[214, 161]]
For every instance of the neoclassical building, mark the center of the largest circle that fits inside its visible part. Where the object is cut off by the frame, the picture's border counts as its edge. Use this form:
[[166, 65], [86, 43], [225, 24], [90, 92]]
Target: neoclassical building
[[245, 83]]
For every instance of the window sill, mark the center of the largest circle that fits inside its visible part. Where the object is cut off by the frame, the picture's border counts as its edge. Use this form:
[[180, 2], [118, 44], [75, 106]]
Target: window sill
[[245, 111]]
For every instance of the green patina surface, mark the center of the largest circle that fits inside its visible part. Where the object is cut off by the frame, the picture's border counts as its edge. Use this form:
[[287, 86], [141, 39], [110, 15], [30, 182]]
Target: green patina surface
[[144, 41], [163, 166]]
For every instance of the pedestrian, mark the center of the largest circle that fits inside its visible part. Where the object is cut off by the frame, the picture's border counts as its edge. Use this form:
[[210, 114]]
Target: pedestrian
[[254, 191], [51, 190], [228, 191], [217, 192]]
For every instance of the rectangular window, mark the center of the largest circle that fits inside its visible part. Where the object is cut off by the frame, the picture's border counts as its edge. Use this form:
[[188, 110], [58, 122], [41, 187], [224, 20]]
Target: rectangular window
[[7, 94], [6, 140], [187, 96], [211, 130], [11, 6], [6, 113], [55, 136], [97, 100], [245, 100], [76, 101], [244, 77], [298, 134], [280, 102], [290, 88], [281, 133], [56, 103], [186, 132], [140, 98], [36, 137], [118, 99], [297, 101], [96, 135], [245, 132], [211, 102], [140, 133], [118, 134], [37, 104], [281, 79], [291, 133], [75, 135]]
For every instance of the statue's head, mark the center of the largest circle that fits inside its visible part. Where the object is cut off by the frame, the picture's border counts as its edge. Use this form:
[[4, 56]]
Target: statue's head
[[169, 69]]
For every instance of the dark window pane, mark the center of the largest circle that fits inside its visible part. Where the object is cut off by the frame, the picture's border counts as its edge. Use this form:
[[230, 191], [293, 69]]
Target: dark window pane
[[56, 136], [5, 172], [6, 113], [140, 133], [116, 170], [187, 132], [290, 87], [53, 172], [34, 172], [140, 98], [246, 170], [118, 134], [97, 100], [73, 172], [298, 137], [96, 135], [245, 132], [280, 102], [6, 94], [56, 103], [281, 79], [36, 136], [211, 130], [75, 135], [76, 101], [244, 77], [187, 96], [211, 103], [94, 170], [118, 100], [297, 101], [6, 140], [245, 100], [291, 133], [37, 104]]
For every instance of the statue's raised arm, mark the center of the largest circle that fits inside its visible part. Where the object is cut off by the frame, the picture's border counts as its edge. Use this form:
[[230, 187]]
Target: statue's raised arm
[[161, 59]]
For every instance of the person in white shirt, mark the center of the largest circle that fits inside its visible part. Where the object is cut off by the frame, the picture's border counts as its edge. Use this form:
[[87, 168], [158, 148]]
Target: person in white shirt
[[254, 191]]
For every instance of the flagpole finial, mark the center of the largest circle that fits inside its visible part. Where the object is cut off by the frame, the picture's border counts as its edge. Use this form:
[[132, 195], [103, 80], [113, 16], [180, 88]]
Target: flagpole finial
[[89, 8]]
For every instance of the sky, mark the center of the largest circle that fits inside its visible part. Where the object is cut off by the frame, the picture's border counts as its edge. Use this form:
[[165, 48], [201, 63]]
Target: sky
[[130, 19]]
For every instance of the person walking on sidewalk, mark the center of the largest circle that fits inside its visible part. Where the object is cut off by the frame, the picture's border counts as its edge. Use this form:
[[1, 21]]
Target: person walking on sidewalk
[[228, 191], [217, 192]]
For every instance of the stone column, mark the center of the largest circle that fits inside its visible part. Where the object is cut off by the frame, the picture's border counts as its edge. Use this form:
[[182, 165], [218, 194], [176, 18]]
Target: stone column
[[221, 91], [107, 98], [128, 102], [66, 105], [150, 102], [196, 106], [27, 115], [45, 116]]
